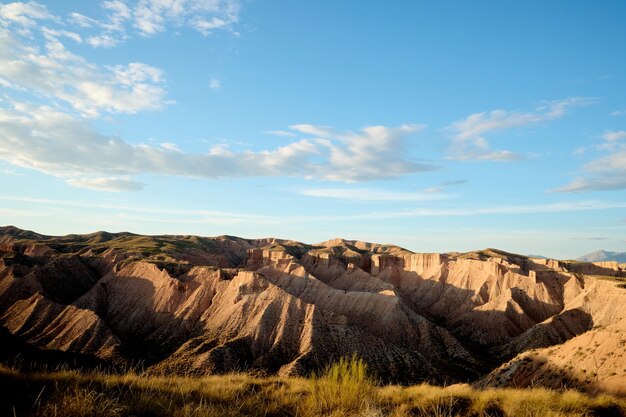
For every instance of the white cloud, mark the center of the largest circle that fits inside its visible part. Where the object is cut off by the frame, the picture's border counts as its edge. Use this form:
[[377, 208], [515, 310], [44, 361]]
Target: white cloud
[[122, 18], [206, 27], [281, 133], [119, 12], [49, 70], [469, 142], [59, 144], [374, 152], [615, 136], [113, 27], [369, 194], [23, 14], [314, 130], [618, 113], [82, 20], [215, 84], [106, 184], [170, 146], [605, 173], [53, 72], [153, 16], [137, 72], [52, 35], [103, 41]]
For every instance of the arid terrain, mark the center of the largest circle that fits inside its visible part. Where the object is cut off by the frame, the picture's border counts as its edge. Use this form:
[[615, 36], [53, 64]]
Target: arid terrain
[[167, 312], [195, 306]]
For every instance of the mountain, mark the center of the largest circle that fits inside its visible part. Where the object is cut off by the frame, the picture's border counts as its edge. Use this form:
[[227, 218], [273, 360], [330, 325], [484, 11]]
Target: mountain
[[198, 305], [602, 255]]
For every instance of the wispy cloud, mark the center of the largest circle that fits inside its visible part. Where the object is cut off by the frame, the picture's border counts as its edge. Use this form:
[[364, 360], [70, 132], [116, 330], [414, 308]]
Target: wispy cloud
[[369, 194], [614, 136], [125, 207], [281, 133], [113, 26], [205, 16], [469, 140], [605, 173], [560, 207], [594, 184], [215, 84], [213, 217], [59, 144], [82, 21], [106, 184], [446, 184], [142, 213]]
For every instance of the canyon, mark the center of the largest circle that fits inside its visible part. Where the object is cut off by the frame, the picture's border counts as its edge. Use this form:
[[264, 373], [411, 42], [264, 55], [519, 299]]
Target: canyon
[[193, 305]]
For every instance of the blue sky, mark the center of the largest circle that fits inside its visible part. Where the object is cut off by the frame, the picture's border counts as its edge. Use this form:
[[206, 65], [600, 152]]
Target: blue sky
[[438, 126]]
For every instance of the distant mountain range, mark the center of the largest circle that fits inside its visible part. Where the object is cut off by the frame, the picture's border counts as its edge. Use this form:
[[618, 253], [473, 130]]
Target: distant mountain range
[[603, 255]]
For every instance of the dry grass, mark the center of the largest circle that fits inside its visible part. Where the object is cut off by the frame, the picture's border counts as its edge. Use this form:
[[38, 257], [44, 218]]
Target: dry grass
[[344, 389]]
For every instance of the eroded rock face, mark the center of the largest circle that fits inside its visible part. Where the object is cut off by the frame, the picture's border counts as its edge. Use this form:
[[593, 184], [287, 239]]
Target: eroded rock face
[[194, 305]]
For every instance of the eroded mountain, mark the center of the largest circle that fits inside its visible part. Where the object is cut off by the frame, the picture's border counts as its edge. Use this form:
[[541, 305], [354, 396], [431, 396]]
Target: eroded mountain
[[196, 305]]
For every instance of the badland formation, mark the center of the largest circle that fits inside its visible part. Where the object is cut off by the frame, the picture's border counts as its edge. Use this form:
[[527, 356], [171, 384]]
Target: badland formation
[[193, 305]]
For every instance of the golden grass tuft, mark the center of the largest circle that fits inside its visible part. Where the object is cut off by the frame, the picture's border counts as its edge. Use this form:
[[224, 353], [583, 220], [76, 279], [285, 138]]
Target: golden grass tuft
[[344, 387]]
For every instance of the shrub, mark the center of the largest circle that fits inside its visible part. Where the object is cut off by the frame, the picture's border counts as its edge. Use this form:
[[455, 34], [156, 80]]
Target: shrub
[[344, 387]]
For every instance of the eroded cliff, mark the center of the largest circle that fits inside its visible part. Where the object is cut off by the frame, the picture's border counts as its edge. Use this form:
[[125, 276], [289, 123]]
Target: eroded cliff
[[195, 305]]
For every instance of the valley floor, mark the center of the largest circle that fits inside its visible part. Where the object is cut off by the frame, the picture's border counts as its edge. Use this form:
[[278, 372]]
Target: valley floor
[[344, 390]]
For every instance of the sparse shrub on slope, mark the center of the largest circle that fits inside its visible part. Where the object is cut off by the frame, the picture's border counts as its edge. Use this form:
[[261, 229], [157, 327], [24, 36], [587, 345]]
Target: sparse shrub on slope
[[344, 387]]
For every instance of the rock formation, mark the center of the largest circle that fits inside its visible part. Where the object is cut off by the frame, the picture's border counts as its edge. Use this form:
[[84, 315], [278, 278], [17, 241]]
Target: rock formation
[[195, 305]]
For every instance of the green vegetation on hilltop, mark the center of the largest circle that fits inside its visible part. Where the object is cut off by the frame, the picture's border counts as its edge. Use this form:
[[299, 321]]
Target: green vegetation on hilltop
[[295, 249], [485, 254]]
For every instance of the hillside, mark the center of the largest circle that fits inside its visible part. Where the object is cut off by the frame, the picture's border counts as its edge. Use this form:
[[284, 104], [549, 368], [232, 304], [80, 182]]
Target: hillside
[[189, 305]]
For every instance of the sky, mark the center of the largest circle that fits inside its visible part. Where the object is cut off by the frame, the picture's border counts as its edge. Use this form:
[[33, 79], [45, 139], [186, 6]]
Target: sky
[[434, 125]]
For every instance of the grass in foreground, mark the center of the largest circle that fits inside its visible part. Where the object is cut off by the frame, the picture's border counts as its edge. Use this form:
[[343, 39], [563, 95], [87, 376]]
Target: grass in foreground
[[344, 389]]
